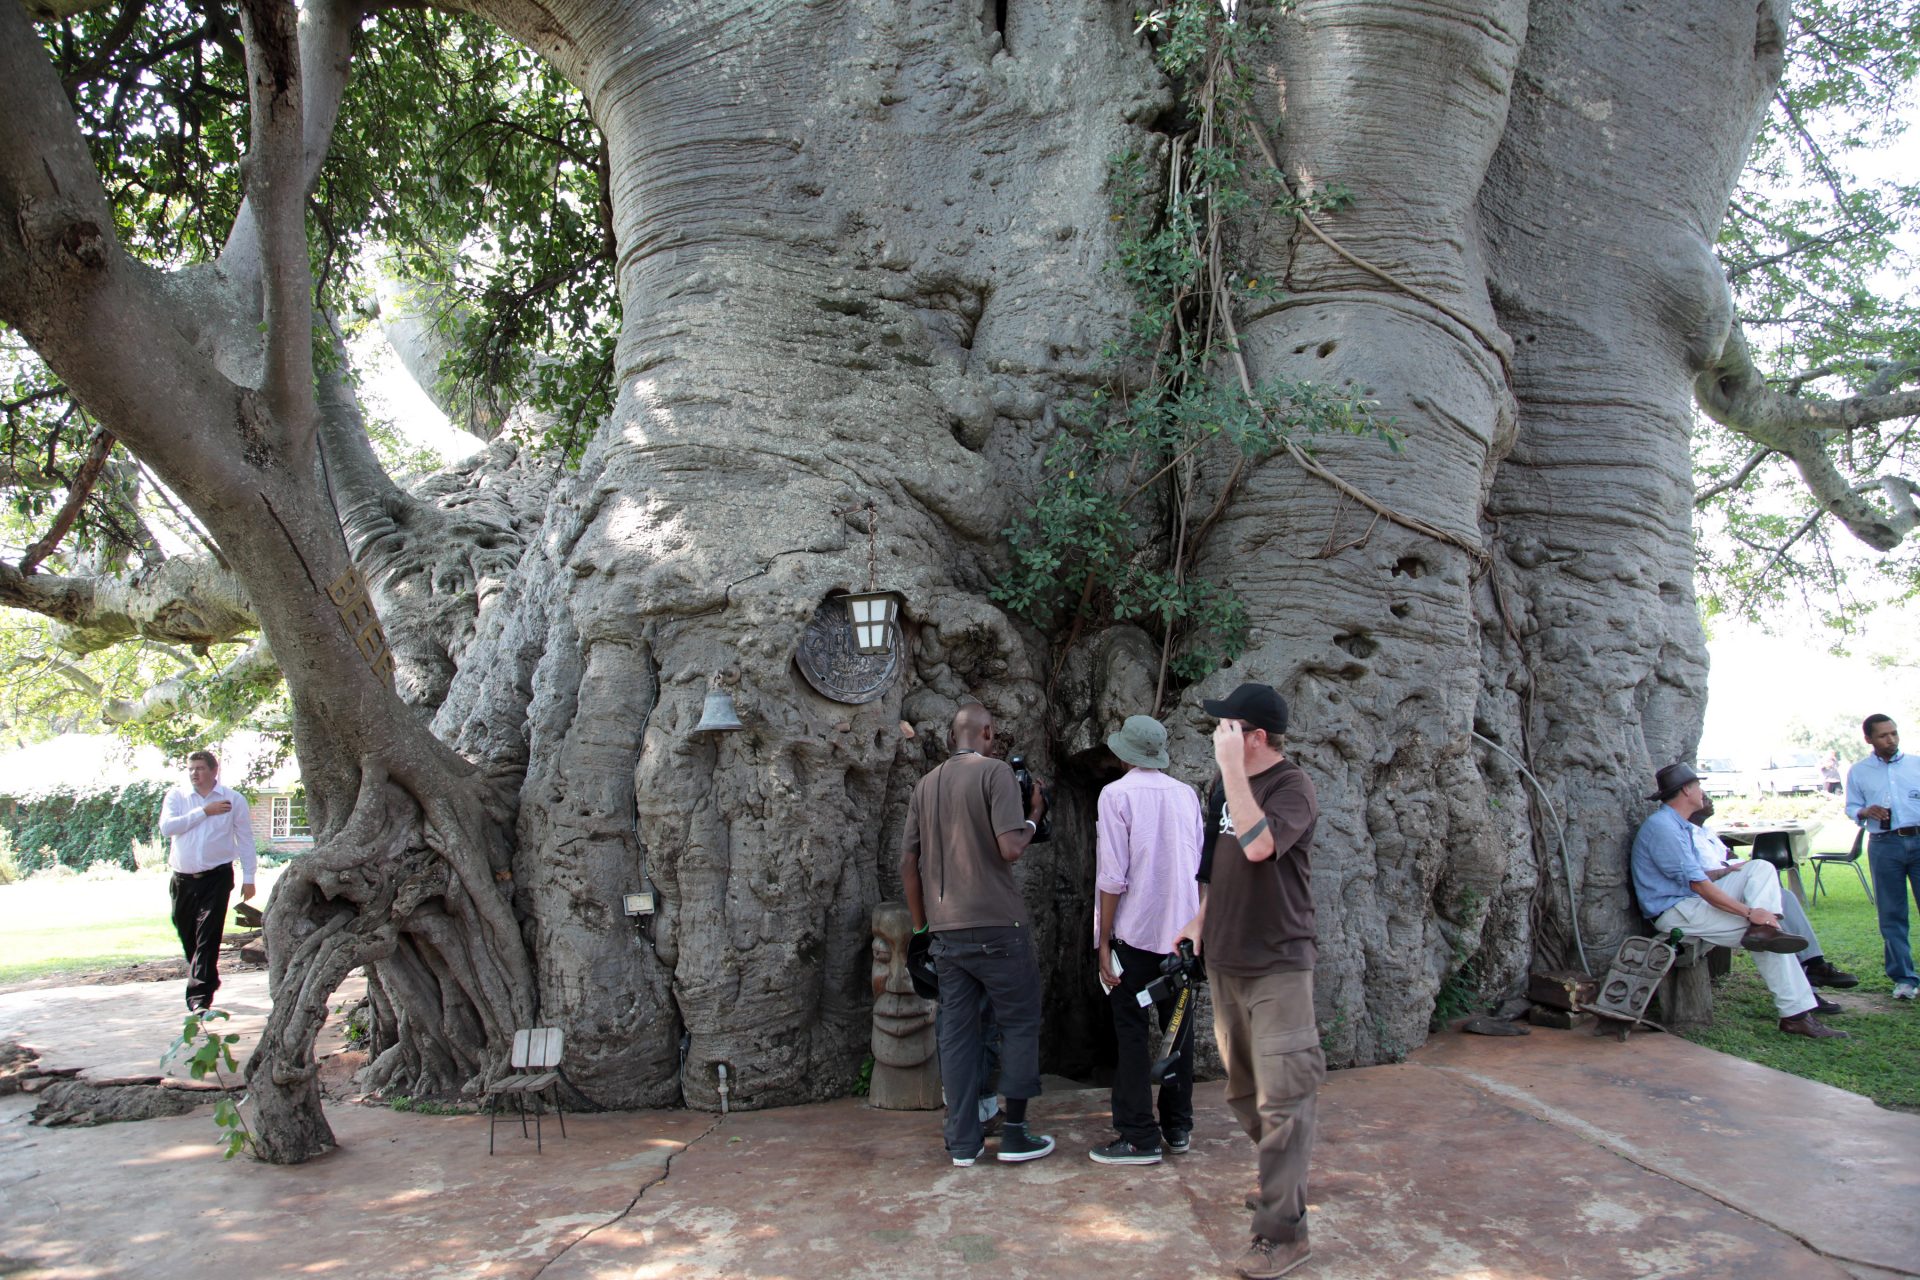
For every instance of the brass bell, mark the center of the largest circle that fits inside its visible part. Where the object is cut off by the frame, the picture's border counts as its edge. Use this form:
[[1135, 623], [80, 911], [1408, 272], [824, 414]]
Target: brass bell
[[718, 715]]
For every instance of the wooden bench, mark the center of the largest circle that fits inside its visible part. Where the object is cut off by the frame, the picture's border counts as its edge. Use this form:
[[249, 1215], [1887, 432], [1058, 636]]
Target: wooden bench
[[1684, 1000]]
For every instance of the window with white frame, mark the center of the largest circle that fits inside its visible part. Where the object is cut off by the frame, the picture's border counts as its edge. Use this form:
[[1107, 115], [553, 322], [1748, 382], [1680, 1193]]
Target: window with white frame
[[290, 817]]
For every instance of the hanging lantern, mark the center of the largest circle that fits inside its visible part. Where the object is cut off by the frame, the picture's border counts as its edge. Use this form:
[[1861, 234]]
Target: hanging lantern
[[872, 615]]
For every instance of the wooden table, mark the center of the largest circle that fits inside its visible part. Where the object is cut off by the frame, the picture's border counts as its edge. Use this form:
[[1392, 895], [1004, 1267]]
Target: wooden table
[[1788, 846]]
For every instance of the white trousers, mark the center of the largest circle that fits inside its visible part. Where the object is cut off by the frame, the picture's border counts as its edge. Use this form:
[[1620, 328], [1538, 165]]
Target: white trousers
[[1756, 884]]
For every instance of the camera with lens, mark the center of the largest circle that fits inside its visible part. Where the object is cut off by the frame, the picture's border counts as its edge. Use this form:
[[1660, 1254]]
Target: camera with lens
[[1043, 831]]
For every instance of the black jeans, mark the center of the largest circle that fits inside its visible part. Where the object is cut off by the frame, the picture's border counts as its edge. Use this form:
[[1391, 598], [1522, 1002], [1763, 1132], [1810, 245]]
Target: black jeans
[[979, 968], [1138, 1040], [200, 917]]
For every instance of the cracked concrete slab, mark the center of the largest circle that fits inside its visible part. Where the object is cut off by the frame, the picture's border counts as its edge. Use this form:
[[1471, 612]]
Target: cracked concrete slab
[[1546, 1156]]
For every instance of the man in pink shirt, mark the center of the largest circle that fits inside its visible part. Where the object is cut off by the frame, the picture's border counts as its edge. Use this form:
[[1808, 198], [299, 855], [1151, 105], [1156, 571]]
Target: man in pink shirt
[[1149, 853]]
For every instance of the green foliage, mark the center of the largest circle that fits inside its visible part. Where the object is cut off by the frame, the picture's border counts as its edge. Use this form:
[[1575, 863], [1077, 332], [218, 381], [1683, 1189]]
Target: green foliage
[[9, 864], [76, 830], [426, 1106], [209, 1052], [1463, 991], [490, 194], [1133, 479], [1819, 245], [461, 161], [863, 1079]]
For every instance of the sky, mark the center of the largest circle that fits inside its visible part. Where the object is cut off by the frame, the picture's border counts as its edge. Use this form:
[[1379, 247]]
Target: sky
[[1761, 686]]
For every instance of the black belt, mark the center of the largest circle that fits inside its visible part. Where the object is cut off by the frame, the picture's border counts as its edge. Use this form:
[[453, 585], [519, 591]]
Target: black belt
[[195, 875], [1908, 832]]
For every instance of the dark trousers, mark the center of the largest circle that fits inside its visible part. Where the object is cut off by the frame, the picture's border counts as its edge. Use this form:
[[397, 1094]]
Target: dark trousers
[[979, 968], [1138, 1037], [200, 917]]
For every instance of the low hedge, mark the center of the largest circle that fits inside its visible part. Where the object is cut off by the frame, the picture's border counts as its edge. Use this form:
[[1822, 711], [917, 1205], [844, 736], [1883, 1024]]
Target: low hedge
[[80, 830]]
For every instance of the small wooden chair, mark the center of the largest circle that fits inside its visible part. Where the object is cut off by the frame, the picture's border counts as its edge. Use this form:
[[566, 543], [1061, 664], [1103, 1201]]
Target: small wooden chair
[[534, 1069]]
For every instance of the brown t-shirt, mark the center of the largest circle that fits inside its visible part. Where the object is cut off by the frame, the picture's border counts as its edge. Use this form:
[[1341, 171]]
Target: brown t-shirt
[[1260, 914], [954, 820]]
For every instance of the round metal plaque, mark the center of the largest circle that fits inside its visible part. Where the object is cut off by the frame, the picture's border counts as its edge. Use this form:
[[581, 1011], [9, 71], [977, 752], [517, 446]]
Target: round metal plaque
[[827, 659]]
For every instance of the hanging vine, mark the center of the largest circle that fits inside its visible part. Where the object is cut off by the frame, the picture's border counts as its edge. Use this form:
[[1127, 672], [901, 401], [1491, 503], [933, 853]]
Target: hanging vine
[[1140, 471]]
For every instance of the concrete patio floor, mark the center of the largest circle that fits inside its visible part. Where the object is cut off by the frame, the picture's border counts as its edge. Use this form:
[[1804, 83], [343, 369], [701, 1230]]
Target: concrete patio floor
[[1555, 1155]]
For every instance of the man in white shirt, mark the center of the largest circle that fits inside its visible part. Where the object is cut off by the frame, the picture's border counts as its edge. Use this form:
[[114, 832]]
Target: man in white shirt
[[209, 827], [1718, 861]]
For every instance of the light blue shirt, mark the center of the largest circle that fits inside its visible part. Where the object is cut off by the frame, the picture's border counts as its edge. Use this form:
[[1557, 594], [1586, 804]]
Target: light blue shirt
[[1666, 863], [1894, 783]]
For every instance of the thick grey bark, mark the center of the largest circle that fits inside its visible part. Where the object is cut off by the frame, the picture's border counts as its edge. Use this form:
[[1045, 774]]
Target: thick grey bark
[[1600, 214], [870, 269]]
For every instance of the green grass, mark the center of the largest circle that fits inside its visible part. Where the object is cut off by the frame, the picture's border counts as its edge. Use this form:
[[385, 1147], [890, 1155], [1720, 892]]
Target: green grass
[[1879, 1060], [73, 925]]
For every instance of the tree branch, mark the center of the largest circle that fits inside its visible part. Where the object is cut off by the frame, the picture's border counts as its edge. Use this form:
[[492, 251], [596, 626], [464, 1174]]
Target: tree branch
[[83, 481], [1703, 496], [1733, 393], [274, 172], [88, 309], [188, 601], [253, 673]]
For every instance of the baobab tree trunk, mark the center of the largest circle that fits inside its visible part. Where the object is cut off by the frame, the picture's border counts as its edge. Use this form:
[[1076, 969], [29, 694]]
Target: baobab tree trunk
[[861, 256]]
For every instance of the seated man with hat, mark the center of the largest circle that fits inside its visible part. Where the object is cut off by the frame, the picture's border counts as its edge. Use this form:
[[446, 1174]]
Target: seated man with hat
[[1742, 908]]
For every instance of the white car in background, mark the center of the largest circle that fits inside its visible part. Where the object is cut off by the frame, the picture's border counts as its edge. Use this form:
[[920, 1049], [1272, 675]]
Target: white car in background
[[1792, 771], [1723, 776]]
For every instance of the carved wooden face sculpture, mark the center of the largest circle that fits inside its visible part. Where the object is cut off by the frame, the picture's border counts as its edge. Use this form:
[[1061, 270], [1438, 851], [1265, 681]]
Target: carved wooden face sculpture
[[903, 1035]]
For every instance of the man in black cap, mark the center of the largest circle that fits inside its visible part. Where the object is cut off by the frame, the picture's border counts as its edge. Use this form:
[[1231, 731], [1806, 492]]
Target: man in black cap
[[1742, 908], [1255, 930]]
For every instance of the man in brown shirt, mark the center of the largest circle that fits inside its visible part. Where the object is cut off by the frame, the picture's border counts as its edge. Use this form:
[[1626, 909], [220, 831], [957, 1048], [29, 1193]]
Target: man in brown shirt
[[965, 830], [1255, 930]]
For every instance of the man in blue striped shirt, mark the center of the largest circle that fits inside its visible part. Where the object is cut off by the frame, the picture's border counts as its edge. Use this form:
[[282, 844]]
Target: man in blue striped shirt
[[1883, 795]]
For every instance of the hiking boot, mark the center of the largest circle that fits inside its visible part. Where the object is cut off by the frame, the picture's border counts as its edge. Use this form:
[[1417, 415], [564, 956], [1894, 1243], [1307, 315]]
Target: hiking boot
[[1266, 1259], [1805, 1024], [1905, 990], [1766, 937], [1120, 1151], [1821, 973], [1175, 1141], [1017, 1144], [964, 1161]]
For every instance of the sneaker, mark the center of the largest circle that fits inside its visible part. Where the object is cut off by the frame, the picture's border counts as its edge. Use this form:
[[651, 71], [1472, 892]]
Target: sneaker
[[1906, 990], [1017, 1144], [1266, 1259], [990, 1127], [1805, 1024], [1821, 973], [965, 1161], [1120, 1151], [1175, 1140]]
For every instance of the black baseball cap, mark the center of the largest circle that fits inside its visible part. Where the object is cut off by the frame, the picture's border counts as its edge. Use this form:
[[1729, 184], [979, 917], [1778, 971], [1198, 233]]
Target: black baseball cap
[[1258, 704]]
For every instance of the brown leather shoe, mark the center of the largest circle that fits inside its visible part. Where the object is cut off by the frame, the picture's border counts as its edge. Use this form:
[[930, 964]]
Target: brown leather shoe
[[1805, 1024], [1766, 937], [1266, 1259]]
